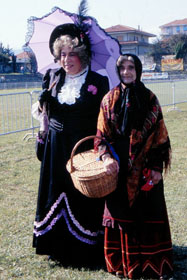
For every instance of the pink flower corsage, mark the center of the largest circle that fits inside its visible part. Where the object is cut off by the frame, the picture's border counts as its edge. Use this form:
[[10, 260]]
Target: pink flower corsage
[[92, 89]]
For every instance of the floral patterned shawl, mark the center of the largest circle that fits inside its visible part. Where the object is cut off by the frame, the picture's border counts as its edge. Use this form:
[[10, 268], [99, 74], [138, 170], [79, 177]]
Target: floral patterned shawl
[[149, 142]]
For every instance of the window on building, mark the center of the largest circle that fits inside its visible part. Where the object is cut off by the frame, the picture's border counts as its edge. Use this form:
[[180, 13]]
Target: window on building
[[177, 29], [125, 37], [143, 39], [185, 28], [131, 38], [119, 38], [168, 30]]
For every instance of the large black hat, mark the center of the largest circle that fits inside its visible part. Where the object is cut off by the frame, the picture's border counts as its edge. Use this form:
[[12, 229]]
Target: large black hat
[[72, 30]]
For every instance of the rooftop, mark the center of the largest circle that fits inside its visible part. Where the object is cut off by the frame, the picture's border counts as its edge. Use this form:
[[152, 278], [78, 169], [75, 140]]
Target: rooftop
[[22, 55], [124, 28], [175, 22]]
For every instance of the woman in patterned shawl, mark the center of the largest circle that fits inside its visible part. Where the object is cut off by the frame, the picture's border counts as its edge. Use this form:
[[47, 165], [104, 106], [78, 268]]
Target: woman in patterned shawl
[[137, 234]]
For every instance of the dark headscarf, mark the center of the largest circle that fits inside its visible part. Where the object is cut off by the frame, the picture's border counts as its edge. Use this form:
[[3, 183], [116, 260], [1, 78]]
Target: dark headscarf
[[133, 103], [137, 64]]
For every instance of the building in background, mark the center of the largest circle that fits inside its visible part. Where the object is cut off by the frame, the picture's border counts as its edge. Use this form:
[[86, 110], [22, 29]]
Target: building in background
[[173, 28], [131, 40], [23, 62]]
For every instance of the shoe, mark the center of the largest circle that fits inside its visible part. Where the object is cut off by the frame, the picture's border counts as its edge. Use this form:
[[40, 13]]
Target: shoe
[[119, 274], [51, 258], [165, 277]]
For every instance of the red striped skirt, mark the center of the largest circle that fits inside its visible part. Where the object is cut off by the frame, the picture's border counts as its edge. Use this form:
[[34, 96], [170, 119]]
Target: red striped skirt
[[133, 257]]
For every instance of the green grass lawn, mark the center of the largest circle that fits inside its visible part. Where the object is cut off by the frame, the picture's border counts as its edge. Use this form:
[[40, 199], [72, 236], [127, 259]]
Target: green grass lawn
[[19, 174]]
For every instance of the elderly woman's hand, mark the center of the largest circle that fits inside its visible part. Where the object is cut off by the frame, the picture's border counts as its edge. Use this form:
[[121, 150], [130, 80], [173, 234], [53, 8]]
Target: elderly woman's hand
[[155, 177], [111, 165]]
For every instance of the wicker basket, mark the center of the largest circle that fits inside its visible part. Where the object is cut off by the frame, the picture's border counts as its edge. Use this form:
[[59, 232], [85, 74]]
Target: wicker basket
[[88, 173]]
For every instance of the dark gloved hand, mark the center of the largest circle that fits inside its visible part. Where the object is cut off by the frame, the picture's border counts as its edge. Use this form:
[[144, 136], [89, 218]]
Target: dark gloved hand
[[44, 96]]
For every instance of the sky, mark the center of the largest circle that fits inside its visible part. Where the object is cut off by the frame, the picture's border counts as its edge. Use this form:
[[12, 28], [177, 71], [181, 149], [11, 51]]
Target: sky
[[146, 14]]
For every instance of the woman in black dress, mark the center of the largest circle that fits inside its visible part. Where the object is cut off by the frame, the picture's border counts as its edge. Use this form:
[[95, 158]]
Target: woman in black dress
[[68, 225]]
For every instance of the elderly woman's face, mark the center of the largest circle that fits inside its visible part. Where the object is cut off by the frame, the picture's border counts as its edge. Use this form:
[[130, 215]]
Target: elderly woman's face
[[70, 61], [127, 72]]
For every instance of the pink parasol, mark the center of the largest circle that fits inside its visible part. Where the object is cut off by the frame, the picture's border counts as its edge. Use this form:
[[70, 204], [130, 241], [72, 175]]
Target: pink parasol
[[105, 49]]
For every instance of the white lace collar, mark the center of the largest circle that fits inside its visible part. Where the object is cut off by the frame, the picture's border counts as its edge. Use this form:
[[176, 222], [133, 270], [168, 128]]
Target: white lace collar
[[70, 91]]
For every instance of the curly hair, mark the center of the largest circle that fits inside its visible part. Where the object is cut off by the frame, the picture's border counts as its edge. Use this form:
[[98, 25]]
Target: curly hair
[[74, 44]]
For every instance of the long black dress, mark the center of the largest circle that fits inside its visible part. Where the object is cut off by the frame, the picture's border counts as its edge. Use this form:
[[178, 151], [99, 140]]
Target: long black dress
[[137, 233], [68, 225]]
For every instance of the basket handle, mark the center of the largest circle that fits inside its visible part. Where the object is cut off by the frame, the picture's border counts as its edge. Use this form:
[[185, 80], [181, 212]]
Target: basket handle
[[77, 145]]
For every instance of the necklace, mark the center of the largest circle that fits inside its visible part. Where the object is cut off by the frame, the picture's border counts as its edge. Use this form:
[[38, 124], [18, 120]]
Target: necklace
[[78, 75]]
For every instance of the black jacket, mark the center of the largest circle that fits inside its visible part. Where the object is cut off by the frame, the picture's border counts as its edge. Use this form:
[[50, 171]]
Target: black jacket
[[82, 115]]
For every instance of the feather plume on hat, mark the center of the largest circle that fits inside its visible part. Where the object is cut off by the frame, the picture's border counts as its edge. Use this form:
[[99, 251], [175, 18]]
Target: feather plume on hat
[[78, 29]]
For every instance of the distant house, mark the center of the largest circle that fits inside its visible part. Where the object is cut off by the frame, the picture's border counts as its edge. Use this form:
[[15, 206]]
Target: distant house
[[173, 28], [23, 62], [131, 40]]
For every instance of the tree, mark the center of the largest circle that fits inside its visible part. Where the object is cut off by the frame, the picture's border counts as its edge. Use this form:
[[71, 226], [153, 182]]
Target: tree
[[180, 47], [33, 62], [174, 45], [158, 49], [7, 55], [7, 51]]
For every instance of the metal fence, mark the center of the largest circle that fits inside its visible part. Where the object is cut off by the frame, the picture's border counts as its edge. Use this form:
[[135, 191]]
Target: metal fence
[[20, 85], [15, 108], [169, 93], [15, 112]]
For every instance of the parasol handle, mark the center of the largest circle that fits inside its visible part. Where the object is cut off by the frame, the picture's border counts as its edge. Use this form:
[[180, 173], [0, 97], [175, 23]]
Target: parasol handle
[[77, 145]]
